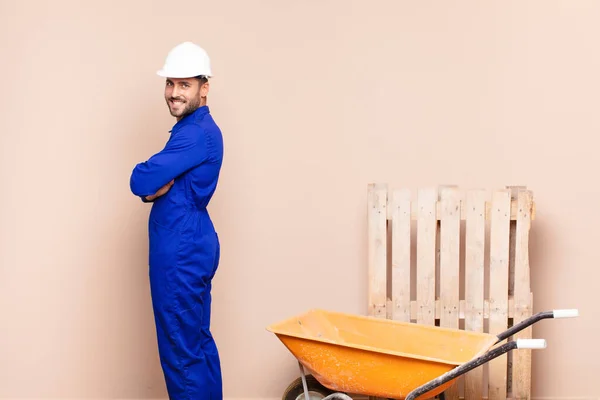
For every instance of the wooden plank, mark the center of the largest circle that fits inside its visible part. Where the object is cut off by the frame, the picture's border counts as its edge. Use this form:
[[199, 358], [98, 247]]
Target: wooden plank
[[449, 258], [474, 281], [514, 211], [499, 258], [401, 241], [450, 265], [426, 249], [377, 249], [514, 190], [521, 379], [462, 309]]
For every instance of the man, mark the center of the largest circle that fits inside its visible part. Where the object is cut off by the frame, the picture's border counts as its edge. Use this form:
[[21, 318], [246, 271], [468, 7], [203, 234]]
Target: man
[[184, 247]]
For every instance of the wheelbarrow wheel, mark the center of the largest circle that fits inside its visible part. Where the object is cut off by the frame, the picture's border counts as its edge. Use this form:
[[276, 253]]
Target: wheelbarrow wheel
[[316, 391]]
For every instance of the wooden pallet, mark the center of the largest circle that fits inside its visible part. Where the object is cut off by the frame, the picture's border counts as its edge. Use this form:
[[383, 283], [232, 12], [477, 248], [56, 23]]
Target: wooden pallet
[[456, 258]]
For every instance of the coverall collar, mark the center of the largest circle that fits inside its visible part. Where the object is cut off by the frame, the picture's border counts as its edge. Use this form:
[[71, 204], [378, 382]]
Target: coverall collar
[[199, 112]]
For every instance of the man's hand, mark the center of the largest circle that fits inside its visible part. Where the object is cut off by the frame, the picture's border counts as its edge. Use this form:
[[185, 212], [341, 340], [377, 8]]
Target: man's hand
[[161, 191]]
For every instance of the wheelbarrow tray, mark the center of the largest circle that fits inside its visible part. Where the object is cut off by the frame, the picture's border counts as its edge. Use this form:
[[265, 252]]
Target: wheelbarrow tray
[[375, 356]]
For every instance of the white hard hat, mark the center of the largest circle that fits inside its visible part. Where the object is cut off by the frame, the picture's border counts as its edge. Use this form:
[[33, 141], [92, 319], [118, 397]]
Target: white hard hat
[[186, 60]]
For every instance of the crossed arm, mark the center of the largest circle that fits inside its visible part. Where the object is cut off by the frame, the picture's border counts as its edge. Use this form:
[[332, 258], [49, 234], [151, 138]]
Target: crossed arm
[[161, 191], [184, 150]]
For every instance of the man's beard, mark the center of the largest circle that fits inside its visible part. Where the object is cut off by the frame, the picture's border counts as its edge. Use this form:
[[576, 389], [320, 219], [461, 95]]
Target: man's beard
[[190, 106]]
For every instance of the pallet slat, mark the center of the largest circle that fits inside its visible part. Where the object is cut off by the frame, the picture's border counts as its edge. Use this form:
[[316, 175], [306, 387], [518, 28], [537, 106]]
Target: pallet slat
[[416, 222], [474, 304], [377, 226], [450, 258], [401, 242], [450, 264], [426, 253], [521, 383], [462, 310], [499, 259], [514, 211]]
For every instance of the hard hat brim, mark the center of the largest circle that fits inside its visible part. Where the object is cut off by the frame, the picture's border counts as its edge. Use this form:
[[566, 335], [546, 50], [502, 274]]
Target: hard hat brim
[[166, 74]]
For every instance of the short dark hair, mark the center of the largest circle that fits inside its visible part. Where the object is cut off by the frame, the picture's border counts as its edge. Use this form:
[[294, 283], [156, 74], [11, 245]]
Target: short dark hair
[[203, 79]]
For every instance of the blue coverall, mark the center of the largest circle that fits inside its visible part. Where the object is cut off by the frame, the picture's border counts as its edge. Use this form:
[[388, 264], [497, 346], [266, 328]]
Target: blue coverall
[[184, 253]]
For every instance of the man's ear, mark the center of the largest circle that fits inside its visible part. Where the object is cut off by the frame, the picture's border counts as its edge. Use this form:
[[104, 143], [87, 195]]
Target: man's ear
[[204, 89]]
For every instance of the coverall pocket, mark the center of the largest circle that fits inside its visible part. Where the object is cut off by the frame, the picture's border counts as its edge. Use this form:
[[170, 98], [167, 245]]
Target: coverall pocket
[[163, 247]]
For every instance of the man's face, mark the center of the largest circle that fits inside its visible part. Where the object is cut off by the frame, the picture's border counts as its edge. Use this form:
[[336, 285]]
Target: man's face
[[184, 95]]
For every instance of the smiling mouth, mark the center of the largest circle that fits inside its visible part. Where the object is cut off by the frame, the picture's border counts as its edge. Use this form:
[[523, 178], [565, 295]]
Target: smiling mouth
[[176, 102]]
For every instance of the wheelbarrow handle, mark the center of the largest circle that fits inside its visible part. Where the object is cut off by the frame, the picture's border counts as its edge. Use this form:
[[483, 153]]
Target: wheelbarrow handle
[[469, 365], [496, 351], [531, 343], [570, 313], [566, 313]]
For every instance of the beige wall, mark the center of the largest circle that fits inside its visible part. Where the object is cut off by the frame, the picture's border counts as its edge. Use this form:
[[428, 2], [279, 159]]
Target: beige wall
[[316, 99]]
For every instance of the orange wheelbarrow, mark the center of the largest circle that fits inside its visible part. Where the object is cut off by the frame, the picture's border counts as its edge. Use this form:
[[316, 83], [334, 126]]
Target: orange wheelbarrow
[[357, 355]]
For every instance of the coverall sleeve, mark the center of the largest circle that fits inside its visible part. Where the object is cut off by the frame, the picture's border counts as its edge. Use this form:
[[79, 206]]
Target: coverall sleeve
[[186, 149]]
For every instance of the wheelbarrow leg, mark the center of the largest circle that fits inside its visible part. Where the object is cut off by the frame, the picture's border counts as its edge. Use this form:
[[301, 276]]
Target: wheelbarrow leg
[[333, 396], [304, 384]]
